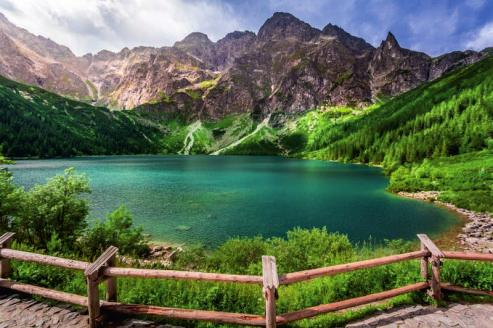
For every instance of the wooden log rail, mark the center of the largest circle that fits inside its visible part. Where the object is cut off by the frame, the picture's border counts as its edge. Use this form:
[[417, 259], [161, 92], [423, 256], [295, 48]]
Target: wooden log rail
[[103, 270]]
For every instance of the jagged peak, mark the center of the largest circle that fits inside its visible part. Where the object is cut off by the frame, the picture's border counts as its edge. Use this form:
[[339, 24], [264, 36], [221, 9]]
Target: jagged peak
[[347, 38], [283, 15], [104, 55], [282, 24], [391, 40], [193, 38], [333, 28]]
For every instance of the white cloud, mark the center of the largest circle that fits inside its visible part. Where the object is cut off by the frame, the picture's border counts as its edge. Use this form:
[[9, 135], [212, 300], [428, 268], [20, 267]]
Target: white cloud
[[475, 4], [483, 38], [92, 25]]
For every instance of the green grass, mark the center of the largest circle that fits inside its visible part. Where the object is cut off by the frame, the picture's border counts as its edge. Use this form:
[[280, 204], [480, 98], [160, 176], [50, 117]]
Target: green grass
[[298, 250], [208, 84], [37, 123], [465, 180]]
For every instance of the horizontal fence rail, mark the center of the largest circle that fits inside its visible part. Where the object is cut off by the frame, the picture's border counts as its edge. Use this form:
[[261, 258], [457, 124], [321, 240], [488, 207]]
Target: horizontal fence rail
[[104, 270], [182, 275], [294, 277]]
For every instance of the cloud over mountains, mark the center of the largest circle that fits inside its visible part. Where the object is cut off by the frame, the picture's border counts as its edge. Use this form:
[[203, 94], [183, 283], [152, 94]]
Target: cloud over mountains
[[434, 27]]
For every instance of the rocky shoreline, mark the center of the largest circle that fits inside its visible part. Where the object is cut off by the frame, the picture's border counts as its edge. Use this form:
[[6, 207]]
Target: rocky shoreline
[[163, 254], [477, 233]]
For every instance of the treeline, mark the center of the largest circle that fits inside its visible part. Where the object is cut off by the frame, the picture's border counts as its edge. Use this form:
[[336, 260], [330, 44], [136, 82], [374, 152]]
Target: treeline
[[451, 116], [37, 123], [436, 137]]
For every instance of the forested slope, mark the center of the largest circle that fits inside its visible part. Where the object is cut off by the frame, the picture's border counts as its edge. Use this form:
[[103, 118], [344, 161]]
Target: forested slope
[[451, 116], [38, 123], [436, 137]]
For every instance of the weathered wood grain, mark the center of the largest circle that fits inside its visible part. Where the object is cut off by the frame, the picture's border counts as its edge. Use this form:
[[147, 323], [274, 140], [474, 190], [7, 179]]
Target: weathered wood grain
[[44, 292], [468, 256], [331, 307], [95, 268], [187, 314], [430, 245], [271, 283], [294, 277], [5, 241], [447, 286], [42, 259], [183, 275]]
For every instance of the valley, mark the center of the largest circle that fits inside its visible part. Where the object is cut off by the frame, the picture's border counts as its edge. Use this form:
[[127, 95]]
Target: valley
[[201, 155]]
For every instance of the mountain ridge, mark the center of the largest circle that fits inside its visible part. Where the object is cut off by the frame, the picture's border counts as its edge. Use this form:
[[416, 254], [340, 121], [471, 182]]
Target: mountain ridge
[[288, 66]]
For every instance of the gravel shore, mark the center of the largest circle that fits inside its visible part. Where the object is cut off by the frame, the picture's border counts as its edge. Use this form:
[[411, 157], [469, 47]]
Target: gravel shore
[[477, 233]]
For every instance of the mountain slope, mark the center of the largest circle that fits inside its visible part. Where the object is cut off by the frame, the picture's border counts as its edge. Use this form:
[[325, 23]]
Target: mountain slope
[[288, 67], [437, 137], [37, 123], [450, 116]]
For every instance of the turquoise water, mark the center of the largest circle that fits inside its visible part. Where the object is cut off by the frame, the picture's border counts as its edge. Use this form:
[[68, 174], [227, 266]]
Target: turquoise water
[[206, 199]]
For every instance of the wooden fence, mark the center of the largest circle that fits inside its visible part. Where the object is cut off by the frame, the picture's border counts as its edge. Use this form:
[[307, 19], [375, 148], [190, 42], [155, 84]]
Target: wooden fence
[[103, 270]]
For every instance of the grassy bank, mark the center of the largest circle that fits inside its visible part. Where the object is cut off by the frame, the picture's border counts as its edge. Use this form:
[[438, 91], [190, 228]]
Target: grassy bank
[[299, 250], [465, 180]]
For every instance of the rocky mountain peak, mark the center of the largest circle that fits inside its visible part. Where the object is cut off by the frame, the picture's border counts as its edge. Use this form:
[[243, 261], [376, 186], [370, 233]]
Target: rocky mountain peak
[[283, 25], [290, 66], [390, 42], [194, 39], [199, 46], [347, 39], [232, 46], [236, 35], [105, 55]]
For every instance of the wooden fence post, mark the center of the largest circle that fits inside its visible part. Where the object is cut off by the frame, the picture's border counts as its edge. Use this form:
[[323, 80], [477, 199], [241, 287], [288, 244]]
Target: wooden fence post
[[436, 256], [5, 241], [111, 285], [271, 283], [424, 263], [94, 275]]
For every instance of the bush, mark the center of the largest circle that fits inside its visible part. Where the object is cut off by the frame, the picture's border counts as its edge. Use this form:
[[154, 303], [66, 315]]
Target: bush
[[10, 198], [117, 230], [54, 208]]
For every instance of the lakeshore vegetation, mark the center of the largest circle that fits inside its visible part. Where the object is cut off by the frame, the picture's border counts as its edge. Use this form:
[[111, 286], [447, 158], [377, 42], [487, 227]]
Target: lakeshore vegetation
[[438, 136], [434, 137], [52, 219]]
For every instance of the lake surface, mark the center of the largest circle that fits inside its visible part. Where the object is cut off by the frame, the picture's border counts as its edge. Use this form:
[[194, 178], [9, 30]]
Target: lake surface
[[206, 199]]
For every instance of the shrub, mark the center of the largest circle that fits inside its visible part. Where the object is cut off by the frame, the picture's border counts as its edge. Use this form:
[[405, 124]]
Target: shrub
[[54, 208], [117, 230]]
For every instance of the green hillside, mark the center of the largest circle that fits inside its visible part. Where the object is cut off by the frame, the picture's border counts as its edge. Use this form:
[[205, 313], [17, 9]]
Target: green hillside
[[38, 123], [451, 116], [436, 137], [447, 122]]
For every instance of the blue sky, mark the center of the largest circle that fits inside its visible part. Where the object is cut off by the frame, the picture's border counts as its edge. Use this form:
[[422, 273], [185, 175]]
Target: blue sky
[[432, 26]]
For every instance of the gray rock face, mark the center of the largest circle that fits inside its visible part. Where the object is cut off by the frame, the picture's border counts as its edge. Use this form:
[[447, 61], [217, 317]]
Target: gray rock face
[[232, 46], [288, 67], [394, 70], [282, 26], [451, 61], [350, 41], [198, 46]]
